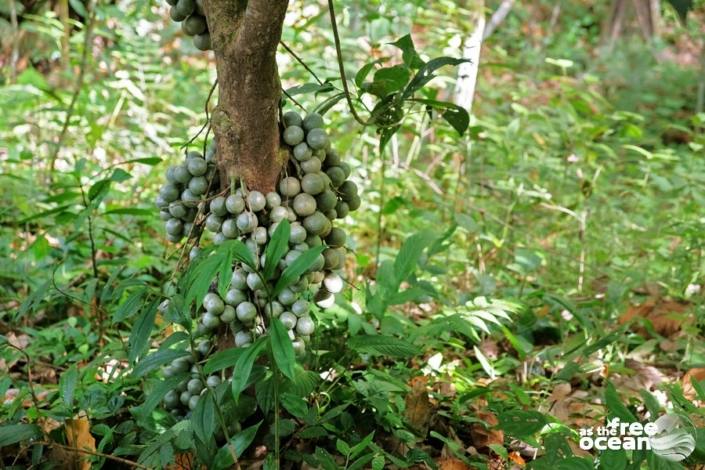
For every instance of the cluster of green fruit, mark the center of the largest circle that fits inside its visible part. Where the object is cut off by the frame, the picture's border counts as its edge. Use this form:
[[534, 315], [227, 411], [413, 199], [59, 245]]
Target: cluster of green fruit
[[193, 21], [313, 191], [179, 198]]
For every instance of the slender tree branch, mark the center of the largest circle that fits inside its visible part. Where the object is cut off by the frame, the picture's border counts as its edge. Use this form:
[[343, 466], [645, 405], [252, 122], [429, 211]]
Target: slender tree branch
[[300, 61], [94, 453], [341, 67], [88, 38]]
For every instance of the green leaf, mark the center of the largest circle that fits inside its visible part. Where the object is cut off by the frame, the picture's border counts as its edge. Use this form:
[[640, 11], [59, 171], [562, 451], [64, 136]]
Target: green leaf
[[276, 248], [203, 417], [155, 395], [300, 265], [14, 433], [130, 211], [521, 424], [119, 175], [141, 330], [98, 189], [362, 445], [243, 366], [361, 74], [409, 55], [616, 407], [157, 359], [67, 385], [130, 306], [682, 7], [409, 255], [382, 345], [342, 447], [282, 349], [389, 80], [238, 444], [294, 404], [222, 360], [425, 73], [198, 278], [264, 393]]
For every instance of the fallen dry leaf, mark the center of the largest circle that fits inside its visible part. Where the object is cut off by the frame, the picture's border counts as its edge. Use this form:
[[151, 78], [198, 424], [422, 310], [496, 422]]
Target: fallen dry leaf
[[483, 437], [450, 463], [666, 316], [697, 374], [419, 408], [78, 435], [515, 457]]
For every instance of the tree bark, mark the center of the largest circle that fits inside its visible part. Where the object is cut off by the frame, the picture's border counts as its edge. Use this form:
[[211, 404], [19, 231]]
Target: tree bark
[[244, 37]]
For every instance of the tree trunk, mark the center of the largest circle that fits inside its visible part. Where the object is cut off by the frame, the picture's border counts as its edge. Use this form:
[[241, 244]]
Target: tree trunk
[[244, 37]]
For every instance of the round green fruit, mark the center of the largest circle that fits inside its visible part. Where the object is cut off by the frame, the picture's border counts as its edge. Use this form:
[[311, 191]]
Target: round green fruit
[[197, 166], [246, 222], [243, 338], [293, 135], [213, 303], [235, 296], [298, 233], [354, 203], [312, 121], [181, 174], [213, 223], [334, 258], [198, 185], [239, 279], [217, 206], [305, 326], [348, 190], [176, 14], [246, 312], [342, 209], [177, 209], [326, 200], [304, 204], [228, 314], [317, 139], [235, 204], [213, 381], [313, 183], [229, 229], [273, 200], [210, 320], [288, 319], [194, 386], [273, 309], [292, 118], [256, 201], [189, 199], [300, 308], [185, 7], [169, 192], [194, 24], [202, 42], [336, 238], [332, 158], [302, 152], [336, 175], [316, 223], [286, 297], [312, 165], [174, 227], [289, 186], [193, 402]]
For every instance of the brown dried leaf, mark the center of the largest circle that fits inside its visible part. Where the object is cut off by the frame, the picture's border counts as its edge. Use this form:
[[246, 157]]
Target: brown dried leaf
[[697, 374], [419, 408], [451, 463], [78, 435], [516, 457], [483, 437], [666, 316]]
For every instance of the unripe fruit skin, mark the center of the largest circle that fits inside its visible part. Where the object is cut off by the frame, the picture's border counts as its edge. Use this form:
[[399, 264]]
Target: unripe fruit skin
[[292, 118], [174, 227], [304, 204], [312, 121], [229, 229], [194, 24], [305, 326], [239, 279], [213, 223], [213, 303], [293, 135], [202, 41], [288, 319], [246, 312], [326, 201], [317, 139], [217, 206], [312, 165], [313, 183], [256, 201], [289, 186], [302, 152], [336, 238], [235, 204], [198, 185], [197, 166], [336, 175]]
